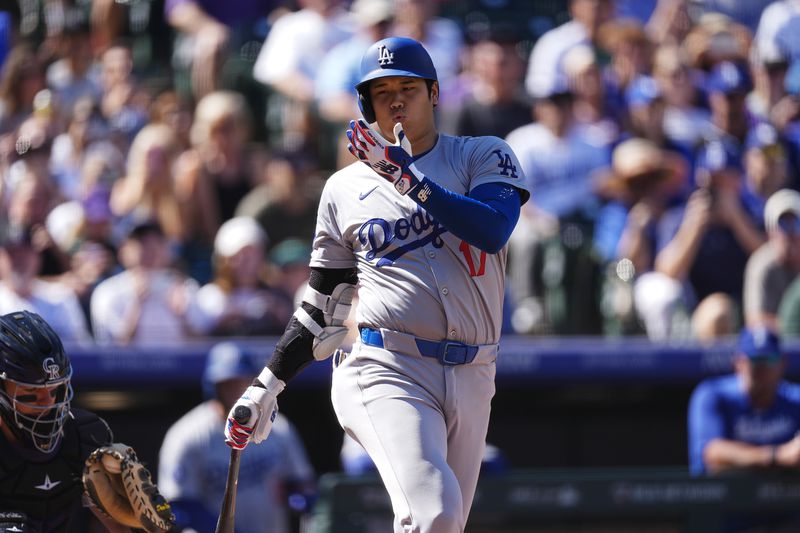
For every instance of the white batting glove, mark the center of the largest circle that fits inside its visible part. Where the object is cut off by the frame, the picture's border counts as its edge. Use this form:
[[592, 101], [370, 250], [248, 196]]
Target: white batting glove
[[393, 162], [262, 405]]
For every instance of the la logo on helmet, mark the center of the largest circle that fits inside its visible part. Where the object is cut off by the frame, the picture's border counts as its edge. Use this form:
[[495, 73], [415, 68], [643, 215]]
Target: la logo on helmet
[[49, 365], [385, 57]]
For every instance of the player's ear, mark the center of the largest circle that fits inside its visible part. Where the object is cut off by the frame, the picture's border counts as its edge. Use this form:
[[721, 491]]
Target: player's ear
[[435, 93]]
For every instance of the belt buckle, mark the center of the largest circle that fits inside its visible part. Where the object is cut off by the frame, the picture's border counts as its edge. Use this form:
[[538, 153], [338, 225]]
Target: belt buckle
[[453, 353]]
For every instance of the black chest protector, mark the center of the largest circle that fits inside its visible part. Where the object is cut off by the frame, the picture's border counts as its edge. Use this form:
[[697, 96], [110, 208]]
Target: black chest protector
[[48, 488]]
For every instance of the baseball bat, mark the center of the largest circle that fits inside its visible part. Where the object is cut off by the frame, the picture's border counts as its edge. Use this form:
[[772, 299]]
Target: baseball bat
[[228, 511]]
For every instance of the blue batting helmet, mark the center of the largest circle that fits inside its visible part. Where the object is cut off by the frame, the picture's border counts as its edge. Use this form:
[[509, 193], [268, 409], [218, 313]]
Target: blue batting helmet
[[393, 56]]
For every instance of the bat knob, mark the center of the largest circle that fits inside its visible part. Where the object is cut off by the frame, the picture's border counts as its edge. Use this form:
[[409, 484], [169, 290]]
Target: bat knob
[[241, 414]]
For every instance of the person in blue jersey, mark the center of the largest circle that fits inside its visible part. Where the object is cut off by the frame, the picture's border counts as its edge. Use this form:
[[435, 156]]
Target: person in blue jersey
[[751, 418], [748, 421]]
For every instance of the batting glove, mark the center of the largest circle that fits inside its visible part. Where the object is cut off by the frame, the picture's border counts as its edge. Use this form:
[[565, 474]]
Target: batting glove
[[393, 162], [261, 401]]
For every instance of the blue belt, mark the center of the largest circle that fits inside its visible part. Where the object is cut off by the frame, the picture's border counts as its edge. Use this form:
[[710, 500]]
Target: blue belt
[[446, 352]]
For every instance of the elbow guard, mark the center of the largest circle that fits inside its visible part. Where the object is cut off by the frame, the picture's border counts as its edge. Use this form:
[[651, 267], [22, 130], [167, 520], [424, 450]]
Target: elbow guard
[[335, 309]]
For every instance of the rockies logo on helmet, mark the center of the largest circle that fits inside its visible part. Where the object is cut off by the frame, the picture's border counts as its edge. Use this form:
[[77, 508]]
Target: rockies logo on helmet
[[51, 368]]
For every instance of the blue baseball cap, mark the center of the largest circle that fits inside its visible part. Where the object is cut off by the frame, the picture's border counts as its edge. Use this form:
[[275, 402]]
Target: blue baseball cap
[[728, 77], [227, 360], [642, 91], [759, 343]]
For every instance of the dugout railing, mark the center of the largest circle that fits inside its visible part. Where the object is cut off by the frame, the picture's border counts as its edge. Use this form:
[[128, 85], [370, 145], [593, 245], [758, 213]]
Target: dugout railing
[[584, 500]]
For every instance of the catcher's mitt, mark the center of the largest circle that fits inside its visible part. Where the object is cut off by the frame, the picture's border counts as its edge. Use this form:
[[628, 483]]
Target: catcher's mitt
[[120, 486]]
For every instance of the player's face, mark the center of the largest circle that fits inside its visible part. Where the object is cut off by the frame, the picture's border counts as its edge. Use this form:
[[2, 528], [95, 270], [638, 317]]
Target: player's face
[[760, 377], [405, 100], [33, 400]]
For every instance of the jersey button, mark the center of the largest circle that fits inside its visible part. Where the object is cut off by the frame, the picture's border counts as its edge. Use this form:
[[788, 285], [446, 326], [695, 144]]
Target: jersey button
[[452, 333], [431, 254], [445, 291]]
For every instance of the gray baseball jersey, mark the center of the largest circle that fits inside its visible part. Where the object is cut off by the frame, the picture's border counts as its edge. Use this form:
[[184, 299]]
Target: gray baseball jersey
[[415, 276], [423, 423]]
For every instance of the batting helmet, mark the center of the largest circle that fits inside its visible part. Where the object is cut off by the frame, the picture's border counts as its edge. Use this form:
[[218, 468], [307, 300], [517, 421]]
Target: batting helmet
[[33, 358], [393, 56]]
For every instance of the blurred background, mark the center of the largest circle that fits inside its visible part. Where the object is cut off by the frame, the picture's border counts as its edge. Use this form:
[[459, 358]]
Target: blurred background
[[161, 163]]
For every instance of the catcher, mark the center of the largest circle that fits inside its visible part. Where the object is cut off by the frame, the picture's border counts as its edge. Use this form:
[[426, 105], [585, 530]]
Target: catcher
[[55, 462]]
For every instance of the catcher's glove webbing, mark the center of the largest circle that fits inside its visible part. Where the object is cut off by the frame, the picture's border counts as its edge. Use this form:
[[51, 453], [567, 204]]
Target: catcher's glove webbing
[[120, 486]]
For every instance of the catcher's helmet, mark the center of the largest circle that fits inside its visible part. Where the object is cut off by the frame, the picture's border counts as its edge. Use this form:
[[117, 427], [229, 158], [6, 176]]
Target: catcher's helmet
[[393, 56], [35, 373]]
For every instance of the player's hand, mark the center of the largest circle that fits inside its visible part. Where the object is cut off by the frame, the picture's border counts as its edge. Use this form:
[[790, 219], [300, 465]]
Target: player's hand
[[262, 404], [393, 162]]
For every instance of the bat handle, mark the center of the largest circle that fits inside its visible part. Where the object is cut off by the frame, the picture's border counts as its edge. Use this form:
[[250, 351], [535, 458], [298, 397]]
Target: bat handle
[[241, 414]]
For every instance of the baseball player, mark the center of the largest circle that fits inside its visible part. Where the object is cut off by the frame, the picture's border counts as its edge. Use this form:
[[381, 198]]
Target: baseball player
[[421, 223]]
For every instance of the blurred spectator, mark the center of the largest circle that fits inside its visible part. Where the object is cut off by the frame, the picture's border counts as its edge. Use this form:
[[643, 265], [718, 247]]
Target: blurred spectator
[[85, 126], [714, 228], [22, 289], [765, 101], [74, 75], [545, 69], [147, 191], [22, 77], [685, 120], [771, 268], [496, 104], [669, 21], [238, 302], [340, 71], [285, 205], [713, 39], [765, 166], [748, 420], [124, 102], [170, 108], [193, 461], [560, 162], [771, 35], [630, 52], [288, 64], [210, 36], [215, 174], [441, 37], [30, 202], [726, 88], [715, 318], [745, 13], [145, 303], [290, 257], [595, 113], [642, 181]]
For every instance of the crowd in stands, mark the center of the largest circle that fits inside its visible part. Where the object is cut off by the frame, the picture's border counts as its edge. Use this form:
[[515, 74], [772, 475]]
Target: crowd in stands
[[162, 160]]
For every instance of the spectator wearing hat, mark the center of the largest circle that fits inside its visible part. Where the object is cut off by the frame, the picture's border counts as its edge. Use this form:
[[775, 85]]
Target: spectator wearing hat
[[193, 460], [238, 302], [765, 165], [773, 266], [22, 289], [642, 181], [146, 302], [727, 87], [290, 257], [714, 227]]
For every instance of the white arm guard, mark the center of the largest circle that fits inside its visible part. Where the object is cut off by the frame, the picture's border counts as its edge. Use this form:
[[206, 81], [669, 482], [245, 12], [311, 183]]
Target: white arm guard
[[335, 309]]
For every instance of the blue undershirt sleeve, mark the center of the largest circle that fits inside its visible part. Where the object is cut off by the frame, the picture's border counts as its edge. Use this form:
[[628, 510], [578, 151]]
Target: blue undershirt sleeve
[[485, 218]]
